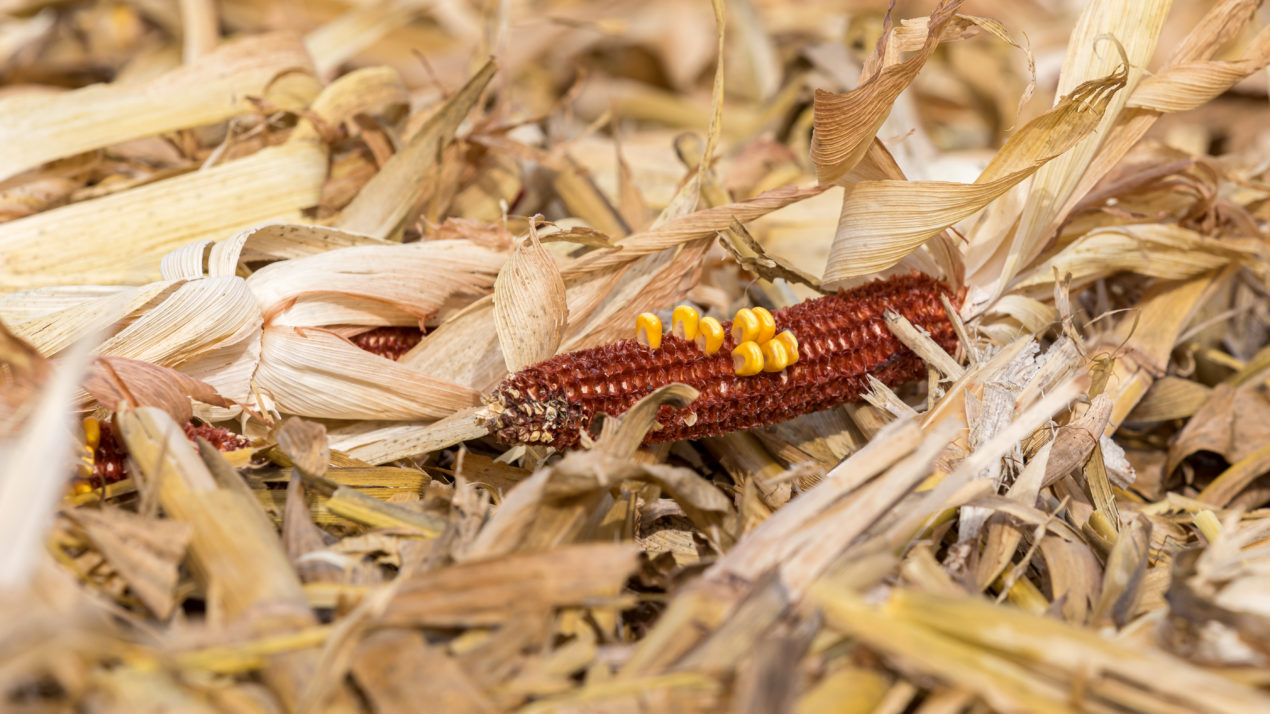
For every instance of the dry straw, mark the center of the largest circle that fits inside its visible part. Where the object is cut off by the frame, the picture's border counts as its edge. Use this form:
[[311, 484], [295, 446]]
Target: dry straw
[[208, 210]]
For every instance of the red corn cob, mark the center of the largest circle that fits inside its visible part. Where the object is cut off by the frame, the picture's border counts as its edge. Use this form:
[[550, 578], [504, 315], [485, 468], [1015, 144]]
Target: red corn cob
[[842, 339], [108, 460], [218, 436], [390, 342], [110, 456]]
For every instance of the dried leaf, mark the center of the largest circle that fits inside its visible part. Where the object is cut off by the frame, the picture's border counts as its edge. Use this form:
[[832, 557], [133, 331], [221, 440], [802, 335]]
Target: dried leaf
[[490, 592], [39, 128], [313, 372], [387, 666], [115, 380], [304, 443], [1136, 28], [412, 283], [883, 221], [847, 123], [1170, 398], [530, 311], [385, 201], [1233, 422], [148, 221], [146, 552]]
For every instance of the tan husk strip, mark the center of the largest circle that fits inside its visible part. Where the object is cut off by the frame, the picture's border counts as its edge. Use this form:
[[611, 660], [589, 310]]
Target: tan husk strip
[[338, 382], [530, 312], [846, 124], [381, 206], [883, 221], [1135, 27], [279, 180], [1216, 28], [1219, 25], [39, 128], [329, 288]]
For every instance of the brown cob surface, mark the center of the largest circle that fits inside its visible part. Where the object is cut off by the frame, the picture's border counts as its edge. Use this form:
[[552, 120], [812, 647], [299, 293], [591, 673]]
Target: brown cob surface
[[842, 340]]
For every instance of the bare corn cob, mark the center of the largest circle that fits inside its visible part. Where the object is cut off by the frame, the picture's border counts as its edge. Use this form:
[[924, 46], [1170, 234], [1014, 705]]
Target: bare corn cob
[[842, 339]]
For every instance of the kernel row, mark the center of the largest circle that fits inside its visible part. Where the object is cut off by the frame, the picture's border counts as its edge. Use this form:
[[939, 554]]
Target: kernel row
[[758, 347]]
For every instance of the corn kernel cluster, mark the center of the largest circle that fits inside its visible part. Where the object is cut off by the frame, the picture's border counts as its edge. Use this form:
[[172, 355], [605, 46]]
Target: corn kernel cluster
[[758, 347]]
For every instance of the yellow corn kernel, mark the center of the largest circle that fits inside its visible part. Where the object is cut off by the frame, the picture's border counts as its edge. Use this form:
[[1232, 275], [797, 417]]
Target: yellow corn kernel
[[684, 321], [648, 330], [709, 335], [92, 433], [745, 326], [92, 437], [766, 324], [747, 359], [775, 356], [791, 344]]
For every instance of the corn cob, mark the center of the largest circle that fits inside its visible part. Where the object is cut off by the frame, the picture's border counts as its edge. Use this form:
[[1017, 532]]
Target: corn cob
[[390, 342], [108, 461], [841, 340]]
